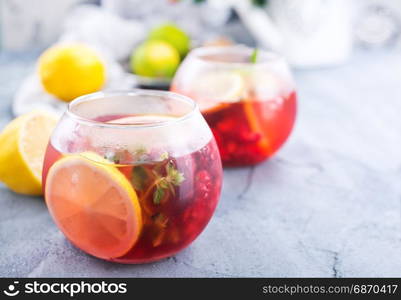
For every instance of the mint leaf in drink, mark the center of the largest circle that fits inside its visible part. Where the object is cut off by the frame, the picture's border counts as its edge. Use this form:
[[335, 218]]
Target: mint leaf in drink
[[140, 154], [254, 55], [158, 195], [173, 176], [139, 177], [166, 183]]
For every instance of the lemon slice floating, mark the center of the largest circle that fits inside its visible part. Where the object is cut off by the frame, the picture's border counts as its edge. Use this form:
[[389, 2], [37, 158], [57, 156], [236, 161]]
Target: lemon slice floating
[[23, 145], [215, 89], [94, 205]]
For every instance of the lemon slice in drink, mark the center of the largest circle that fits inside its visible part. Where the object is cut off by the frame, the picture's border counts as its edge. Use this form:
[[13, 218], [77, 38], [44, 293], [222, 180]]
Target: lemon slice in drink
[[94, 205], [216, 89], [266, 85], [23, 145]]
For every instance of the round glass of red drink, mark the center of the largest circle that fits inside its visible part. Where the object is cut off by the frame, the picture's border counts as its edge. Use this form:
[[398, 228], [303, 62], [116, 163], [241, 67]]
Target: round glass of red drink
[[247, 97], [134, 176]]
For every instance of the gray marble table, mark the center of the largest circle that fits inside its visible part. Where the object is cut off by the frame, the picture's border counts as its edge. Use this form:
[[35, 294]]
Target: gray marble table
[[328, 204]]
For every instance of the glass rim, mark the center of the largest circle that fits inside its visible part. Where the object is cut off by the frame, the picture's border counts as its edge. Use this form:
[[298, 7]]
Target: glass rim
[[132, 92], [269, 56]]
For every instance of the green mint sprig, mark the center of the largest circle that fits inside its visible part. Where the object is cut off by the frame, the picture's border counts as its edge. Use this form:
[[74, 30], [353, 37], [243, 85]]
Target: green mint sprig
[[139, 177], [169, 182]]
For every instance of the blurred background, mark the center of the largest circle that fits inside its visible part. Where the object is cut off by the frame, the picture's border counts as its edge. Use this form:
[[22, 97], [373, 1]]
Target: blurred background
[[27, 25], [311, 34]]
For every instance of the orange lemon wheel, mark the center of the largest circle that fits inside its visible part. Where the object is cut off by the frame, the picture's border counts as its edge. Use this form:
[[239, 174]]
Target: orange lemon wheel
[[94, 205]]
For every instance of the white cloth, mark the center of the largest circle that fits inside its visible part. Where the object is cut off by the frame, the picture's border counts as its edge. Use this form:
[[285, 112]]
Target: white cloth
[[113, 37]]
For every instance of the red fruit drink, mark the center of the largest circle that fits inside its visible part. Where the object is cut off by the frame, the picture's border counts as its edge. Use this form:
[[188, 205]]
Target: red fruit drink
[[177, 194], [249, 131], [249, 105]]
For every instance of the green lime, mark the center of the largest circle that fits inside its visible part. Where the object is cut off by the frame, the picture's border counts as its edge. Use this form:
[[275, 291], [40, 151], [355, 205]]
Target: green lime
[[173, 35], [155, 58]]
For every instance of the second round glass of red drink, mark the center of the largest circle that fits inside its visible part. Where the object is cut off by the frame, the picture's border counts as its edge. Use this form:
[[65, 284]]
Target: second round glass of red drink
[[247, 97], [133, 176]]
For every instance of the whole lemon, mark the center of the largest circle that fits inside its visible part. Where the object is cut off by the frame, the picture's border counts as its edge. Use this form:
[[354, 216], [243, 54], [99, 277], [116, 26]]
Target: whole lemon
[[155, 58], [70, 71], [173, 35]]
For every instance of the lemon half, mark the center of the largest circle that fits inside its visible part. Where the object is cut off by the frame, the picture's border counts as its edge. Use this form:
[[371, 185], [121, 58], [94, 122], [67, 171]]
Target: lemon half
[[23, 145]]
